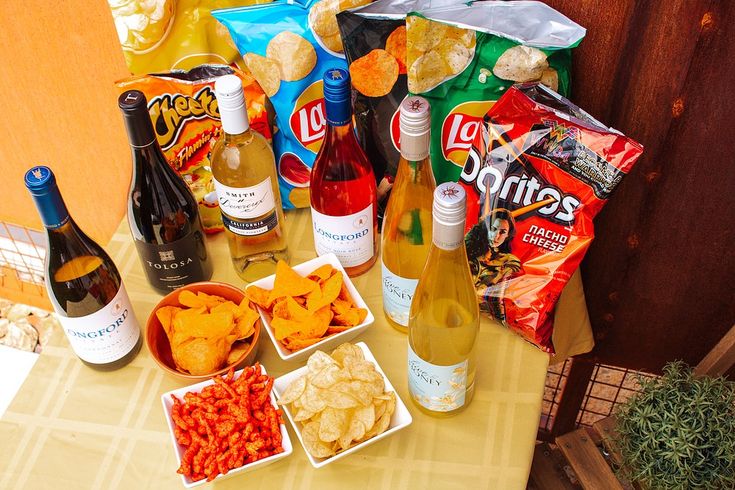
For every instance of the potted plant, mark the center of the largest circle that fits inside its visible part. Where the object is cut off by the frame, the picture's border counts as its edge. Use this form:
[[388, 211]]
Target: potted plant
[[679, 432]]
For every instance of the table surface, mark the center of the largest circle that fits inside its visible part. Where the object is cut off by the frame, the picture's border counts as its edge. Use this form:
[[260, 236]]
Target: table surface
[[73, 427]]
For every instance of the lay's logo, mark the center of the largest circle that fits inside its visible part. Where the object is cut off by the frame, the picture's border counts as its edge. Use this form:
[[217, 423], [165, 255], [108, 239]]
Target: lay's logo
[[459, 128], [308, 120]]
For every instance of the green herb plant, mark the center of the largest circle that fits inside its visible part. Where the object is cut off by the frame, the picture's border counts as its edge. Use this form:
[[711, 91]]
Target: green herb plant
[[679, 432]]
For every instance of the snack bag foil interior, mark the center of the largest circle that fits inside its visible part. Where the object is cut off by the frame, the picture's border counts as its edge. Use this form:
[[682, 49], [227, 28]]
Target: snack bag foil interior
[[537, 173], [288, 46], [462, 58], [374, 39], [162, 35], [186, 119]]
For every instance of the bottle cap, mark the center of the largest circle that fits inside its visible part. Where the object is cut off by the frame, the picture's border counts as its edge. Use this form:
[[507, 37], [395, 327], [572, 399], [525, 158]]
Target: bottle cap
[[132, 101], [134, 107], [231, 102], [337, 96], [39, 179], [415, 116], [228, 90], [449, 216], [415, 128], [449, 203], [41, 183]]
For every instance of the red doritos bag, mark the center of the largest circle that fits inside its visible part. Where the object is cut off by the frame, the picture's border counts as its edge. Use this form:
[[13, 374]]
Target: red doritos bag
[[538, 171]]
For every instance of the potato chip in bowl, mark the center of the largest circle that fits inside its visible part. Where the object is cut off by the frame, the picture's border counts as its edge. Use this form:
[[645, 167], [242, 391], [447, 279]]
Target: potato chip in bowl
[[340, 403], [313, 305]]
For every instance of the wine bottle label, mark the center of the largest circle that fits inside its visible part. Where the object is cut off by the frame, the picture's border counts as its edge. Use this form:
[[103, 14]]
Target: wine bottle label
[[251, 228], [397, 295], [436, 388], [246, 202], [350, 237], [172, 265], [106, 335]]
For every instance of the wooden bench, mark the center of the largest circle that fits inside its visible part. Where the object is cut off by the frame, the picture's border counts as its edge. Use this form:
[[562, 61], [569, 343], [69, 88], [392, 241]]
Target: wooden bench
[[584, 458]]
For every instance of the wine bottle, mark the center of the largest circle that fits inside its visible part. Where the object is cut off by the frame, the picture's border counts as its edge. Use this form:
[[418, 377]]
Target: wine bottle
[[83, 284], [444, 319], [343, 192], [406, 233], [162, 212], [244, 171]]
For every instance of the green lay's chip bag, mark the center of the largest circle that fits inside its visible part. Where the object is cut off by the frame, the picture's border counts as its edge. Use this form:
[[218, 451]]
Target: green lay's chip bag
[[462, 58], [288, 46]]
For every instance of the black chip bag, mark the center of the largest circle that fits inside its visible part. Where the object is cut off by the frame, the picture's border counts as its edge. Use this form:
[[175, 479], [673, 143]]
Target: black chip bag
[[374, 40]]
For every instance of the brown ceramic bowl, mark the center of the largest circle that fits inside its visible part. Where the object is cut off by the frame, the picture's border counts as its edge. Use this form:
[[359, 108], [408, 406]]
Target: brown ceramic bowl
[[158, 343]]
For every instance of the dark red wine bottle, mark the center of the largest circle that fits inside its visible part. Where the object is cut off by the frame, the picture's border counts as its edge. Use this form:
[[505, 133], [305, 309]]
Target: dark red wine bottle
[[162, 211]]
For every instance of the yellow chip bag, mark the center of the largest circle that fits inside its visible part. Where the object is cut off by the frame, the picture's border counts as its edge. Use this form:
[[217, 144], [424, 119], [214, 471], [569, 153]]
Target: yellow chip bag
[[162, 35]]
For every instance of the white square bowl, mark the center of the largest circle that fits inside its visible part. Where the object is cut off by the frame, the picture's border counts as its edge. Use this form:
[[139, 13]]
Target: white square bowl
[[179, 451], [401, 416], [328, 343]]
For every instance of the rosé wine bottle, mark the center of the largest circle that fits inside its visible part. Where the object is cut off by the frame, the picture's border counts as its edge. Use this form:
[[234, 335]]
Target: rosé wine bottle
[[343, 193]]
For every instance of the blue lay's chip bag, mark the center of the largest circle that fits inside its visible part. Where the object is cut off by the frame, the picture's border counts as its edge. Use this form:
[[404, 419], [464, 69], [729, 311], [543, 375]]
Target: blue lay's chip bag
[[288, 47]]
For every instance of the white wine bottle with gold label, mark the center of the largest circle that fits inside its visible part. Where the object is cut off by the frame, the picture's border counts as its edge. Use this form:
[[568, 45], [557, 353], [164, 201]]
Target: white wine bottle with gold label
[[406, 235], [444, 319], [244, 171], [83, 284]]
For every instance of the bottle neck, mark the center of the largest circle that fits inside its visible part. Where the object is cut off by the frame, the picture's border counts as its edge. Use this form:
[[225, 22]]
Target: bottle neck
[[338, 112], [415, 148], [234, 120], [340, 132], [51, 207], [448, 236], [140, 128]]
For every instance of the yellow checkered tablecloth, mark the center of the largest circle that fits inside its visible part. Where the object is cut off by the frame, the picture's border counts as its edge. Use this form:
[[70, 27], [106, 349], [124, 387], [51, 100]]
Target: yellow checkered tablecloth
[[73, 427]]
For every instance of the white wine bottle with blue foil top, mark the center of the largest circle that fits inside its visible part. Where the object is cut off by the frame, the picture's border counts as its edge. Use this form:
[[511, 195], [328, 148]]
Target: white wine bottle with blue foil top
[[444, 318], [83, 284]]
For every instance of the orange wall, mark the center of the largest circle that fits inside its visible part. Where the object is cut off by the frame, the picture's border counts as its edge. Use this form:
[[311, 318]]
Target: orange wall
[[58, 62]]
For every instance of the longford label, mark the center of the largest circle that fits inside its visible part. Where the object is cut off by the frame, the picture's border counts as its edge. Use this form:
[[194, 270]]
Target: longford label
[[105, 335], [308, 120]]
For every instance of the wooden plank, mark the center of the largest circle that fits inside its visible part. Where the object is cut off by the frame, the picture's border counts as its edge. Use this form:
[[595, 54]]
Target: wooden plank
[[585, 459], [721, 358], [604, 431], [572, 396], [547, 470]]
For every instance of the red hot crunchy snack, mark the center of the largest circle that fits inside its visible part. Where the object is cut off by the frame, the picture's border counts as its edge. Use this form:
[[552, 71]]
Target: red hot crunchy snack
[[227, 425]]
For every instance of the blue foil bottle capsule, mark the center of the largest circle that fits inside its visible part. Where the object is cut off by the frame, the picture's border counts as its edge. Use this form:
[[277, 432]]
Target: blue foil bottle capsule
[[41, 183], [337, 96]]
